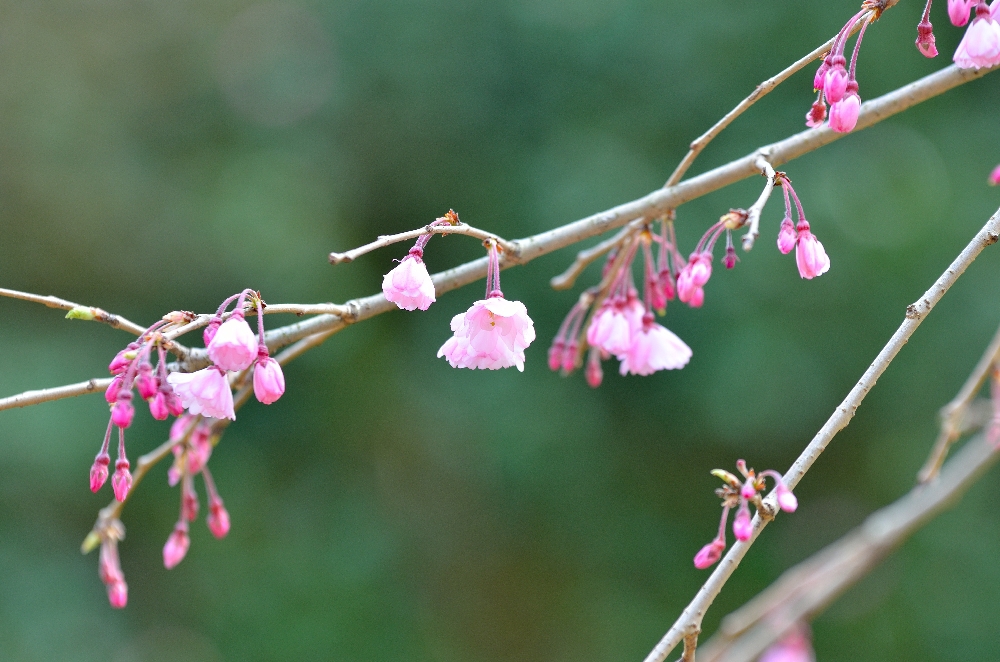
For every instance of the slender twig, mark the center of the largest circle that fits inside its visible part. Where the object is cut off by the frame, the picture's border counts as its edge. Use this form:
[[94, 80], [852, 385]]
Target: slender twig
[[690, 619], [76, 310], [586, 257], [387, 240], [753, 214], [803, 592], [58, 393]]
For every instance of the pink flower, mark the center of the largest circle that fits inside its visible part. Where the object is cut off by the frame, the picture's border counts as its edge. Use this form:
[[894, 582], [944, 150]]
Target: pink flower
[[556, 355], [593, 371], [114, 388], [786, 236], [492, 334], [654, 348], [994, 178], [701, 268], [121, 482], [793, 647], [836, 80], [146, 382], [709, 554], [819, 79], [980, 47], [123, 411], [844, 113], [218, 519], [786, 500], [742, 525], [177, 545], [268, 380], [610, 329], [810, 257], [99, 471], [409, 286], [816, 115], [958, 11], [234, 346], [118, 594], [122, 359], [205, 391], [158, 406], [925, 38]]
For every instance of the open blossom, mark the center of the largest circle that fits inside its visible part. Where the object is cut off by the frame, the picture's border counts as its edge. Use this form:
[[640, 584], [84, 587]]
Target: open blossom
[[234, 346], [653, 348], [980, 47], [492, 334], [205, 391], [409, 286]]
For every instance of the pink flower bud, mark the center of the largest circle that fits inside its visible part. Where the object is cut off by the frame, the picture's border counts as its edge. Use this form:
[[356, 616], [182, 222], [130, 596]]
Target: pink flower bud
[[742, 525], [836, 80], [121, 482], [409, 285], [123, 411], [176, 546], [555, 355], [189, 504], [268, 380], [200, 449], [958, 11], [697, 298], [174, 405], [569, 357], [786, 500], [701, 268], [118, 594], [121, 361], [685, 284], [158, 406], [111, 395], [146, 382], [234, 346], [786, 236], [995, 175], [816, 115], [810, 256], [209, 333], [173, 476], [593, 372], [730, 258], [748, 491], [844, 114], [709, 554], [667, 283], [99, 471], [819, 80], [925, 39], [179, 427], [218, 519]]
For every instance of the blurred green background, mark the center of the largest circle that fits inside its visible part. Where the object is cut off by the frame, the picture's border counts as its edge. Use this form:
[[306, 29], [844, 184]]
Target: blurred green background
[[160, 155]]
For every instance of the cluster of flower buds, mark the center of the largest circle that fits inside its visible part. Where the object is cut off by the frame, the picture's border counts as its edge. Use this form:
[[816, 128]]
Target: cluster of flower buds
[[810, 256], [980, 47], [837, 84], [492, 334], [193, 442], [736, 493], [621, 325]]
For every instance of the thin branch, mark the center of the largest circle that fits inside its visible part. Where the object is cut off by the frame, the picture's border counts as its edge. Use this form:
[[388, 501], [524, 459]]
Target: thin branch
[[584, 258], [77, 311], [803, 592], [690, 647], [753, 214], [953, 414], [387, 240], [58, 393], [692, 615]]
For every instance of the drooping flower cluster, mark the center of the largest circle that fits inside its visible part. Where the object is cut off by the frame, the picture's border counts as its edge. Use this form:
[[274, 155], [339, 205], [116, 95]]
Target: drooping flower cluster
[[622, 325], [492, 334], [205, 395], [837, 84], [980, 47], [736, 493], [810, 256]]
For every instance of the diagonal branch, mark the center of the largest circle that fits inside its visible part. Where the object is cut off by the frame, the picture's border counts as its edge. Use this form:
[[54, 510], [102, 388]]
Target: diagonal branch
[[58, 393], [76, 310], [691, 618]]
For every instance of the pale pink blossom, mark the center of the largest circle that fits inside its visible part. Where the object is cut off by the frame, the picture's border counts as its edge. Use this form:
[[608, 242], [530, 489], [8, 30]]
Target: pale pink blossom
[[844, 113], [409, 285], [268, 380], [610, 330], [234, 346], [980, 47], [176, 546], [835, 83], [205, 391], [492, 334], [810, 256], [958, 11], [793, 647], [653, 348]]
